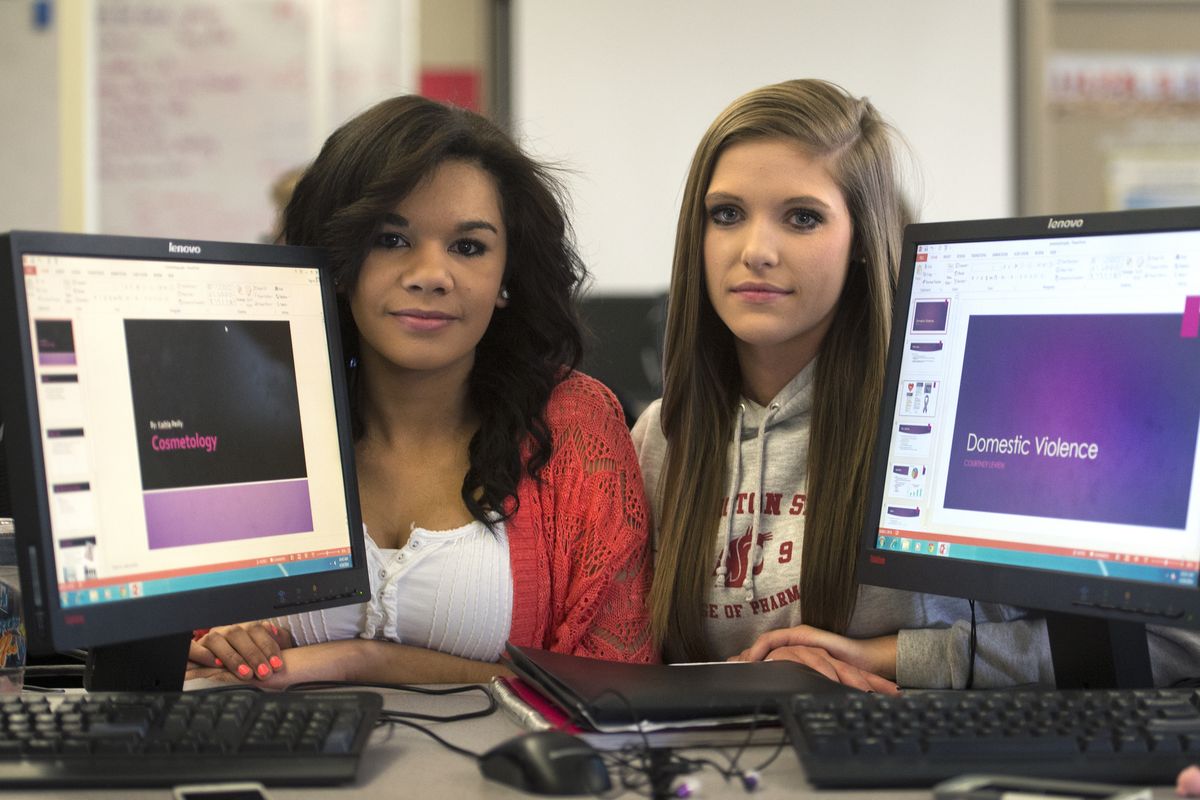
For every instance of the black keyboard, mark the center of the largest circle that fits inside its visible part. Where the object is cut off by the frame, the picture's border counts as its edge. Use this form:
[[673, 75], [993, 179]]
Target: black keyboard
[[1118, 736], [160, 739]]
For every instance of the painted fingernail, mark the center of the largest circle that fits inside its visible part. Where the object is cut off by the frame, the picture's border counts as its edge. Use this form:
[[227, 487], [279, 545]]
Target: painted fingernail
[[217, 661], [244, 671], [275, 629], [276, 662], [263, 670]]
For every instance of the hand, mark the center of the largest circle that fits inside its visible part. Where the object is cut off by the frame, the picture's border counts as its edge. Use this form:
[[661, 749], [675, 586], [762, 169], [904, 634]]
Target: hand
[[318, 662], [249, 651], [199, 671], [867, 664], [1188, 784]]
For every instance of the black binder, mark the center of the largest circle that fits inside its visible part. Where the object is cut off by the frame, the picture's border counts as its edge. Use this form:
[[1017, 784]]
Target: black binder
[[606, 694]]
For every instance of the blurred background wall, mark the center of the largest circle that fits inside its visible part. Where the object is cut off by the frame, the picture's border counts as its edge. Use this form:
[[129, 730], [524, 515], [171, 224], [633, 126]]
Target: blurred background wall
[[175, 117], [622, 90]]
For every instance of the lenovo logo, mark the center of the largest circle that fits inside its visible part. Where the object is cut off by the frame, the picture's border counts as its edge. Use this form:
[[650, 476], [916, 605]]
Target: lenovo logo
[[182, 248], [1054, 224]]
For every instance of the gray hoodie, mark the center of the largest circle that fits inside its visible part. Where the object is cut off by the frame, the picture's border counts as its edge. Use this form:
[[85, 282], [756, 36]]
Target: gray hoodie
[[756, 568]]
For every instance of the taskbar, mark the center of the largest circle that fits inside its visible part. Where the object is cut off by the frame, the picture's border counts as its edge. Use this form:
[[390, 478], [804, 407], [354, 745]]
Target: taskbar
[[118, 589], [1123, 567]]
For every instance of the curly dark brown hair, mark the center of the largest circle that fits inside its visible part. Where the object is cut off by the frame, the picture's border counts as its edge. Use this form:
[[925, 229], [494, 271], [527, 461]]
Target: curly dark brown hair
[[369, 165]]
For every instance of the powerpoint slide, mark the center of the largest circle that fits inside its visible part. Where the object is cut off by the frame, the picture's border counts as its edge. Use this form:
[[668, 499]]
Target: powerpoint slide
[[217, 416], [77, 558], [925, 355], [1081, 417], [66, 453], [900, 515], [918, 398], [930, 316], [60, 401], [55, 342], [913, 440], [908, 482], [74, 508]]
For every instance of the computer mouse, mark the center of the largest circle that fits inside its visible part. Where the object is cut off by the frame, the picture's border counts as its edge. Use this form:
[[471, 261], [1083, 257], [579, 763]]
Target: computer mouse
[[547, 762]]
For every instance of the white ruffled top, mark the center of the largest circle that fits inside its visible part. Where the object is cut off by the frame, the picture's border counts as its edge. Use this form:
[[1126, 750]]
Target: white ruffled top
[[450, 591]]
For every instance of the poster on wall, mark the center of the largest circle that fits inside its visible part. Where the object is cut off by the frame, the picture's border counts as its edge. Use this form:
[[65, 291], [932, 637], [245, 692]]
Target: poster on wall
[[1153, 177], [1117, 81], [201, 106], [1151, 160]]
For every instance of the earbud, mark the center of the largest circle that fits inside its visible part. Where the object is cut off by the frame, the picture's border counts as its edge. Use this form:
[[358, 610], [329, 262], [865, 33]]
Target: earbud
[[690, 787]]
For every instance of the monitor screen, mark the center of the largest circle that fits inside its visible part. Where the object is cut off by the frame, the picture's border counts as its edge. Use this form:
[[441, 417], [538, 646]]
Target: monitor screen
[[177, 436], [624, 346], [1038, 436]]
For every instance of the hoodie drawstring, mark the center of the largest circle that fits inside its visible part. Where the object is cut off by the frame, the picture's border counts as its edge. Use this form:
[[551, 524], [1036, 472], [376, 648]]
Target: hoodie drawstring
[[758, 506], [735, 477]]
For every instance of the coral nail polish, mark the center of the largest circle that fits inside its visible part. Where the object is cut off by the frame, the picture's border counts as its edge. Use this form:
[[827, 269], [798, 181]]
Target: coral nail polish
[[244, 671], [276, 662]]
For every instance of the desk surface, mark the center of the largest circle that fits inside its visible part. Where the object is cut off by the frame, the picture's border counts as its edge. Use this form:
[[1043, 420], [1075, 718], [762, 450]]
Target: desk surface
[[403, 763]]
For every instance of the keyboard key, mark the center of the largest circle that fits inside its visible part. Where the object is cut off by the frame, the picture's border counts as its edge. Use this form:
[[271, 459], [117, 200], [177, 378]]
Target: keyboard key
[[1098, 744], [1174, 725], [1000, 745], [1165, 744]]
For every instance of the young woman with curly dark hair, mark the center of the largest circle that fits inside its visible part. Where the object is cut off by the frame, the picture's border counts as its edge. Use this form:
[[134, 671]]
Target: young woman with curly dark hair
[[500, 491]]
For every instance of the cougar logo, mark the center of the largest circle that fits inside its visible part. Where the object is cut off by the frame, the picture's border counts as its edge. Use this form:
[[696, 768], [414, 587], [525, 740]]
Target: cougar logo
[[737, 558]]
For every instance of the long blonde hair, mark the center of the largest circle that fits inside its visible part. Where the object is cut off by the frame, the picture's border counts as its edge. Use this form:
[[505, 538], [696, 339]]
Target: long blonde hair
[[702, 379]]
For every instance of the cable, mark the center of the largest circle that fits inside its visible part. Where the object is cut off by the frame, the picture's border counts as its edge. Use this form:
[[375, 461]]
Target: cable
[[640, 768], [232, 687], [405, 718], [54, 670], [396, 716], [654, 771], [460, 750], [403, 687], [751, 778]]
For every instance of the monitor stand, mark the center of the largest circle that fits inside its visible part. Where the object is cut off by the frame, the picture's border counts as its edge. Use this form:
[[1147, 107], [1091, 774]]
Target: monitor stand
[[147, 665], [1096, 653]]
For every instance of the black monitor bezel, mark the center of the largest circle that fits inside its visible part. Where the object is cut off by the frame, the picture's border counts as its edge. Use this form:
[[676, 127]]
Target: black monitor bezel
[[1119, 600], [50, 628]]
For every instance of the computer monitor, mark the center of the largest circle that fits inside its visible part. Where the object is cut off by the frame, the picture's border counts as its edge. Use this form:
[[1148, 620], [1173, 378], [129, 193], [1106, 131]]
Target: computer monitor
[[178, 443], [623, 346], [1038, 436]]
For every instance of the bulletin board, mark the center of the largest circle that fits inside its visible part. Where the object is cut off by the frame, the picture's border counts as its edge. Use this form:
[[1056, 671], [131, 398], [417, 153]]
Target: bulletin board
[[1109, 104], [199, 105]]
